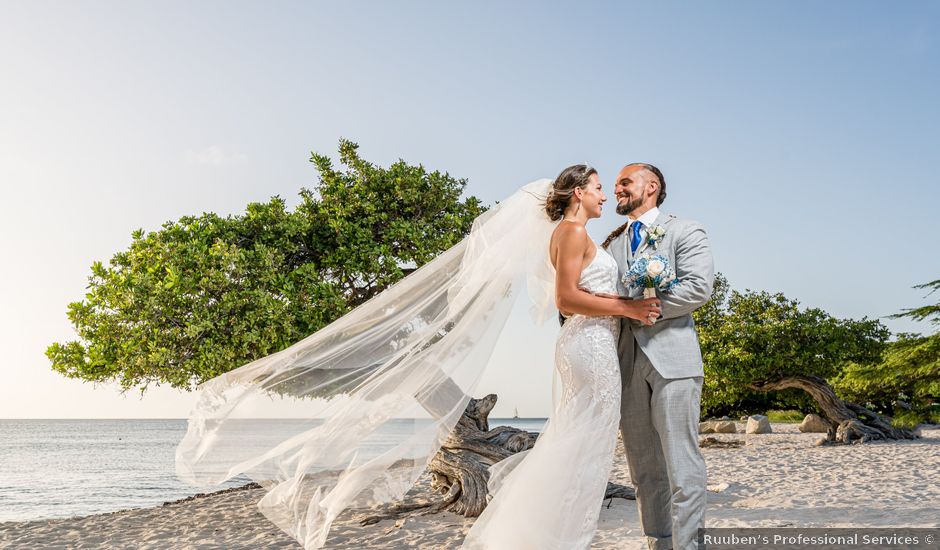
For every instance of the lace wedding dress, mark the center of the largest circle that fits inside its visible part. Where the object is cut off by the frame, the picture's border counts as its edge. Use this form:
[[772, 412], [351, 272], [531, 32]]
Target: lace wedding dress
[[550, 496]]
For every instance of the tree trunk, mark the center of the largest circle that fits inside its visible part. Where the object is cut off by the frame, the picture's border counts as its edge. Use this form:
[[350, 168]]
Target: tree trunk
[[459, 470], [849, 423]]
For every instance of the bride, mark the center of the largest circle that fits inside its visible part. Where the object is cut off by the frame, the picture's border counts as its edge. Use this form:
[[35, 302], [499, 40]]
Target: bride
[[535, 507], [387, 382]]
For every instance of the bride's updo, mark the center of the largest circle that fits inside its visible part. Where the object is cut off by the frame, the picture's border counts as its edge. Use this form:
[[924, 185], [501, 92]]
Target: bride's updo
[[563, 188]]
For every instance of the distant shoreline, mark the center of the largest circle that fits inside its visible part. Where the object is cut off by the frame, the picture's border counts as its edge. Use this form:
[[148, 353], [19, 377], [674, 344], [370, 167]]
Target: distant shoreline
[[67, 468]]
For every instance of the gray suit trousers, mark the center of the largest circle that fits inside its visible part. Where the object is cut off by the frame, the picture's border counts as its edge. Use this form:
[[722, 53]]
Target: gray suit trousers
[[659, 423]]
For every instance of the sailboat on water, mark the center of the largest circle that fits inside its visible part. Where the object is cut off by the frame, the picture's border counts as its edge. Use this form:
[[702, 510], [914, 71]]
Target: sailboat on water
[[515, 413]]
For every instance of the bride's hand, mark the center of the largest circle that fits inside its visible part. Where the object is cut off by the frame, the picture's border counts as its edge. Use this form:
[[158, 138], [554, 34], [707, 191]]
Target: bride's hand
[[644, 311]]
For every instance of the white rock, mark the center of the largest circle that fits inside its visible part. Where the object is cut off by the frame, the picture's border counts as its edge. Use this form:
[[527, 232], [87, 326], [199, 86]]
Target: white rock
[[717, 427], [813, 423], [758, 424]]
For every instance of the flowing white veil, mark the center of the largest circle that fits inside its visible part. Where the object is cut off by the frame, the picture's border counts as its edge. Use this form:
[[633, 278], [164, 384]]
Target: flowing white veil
[[388, 380]]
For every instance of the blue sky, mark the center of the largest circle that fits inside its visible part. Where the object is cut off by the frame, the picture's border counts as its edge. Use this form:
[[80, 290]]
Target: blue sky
[[802, 134]]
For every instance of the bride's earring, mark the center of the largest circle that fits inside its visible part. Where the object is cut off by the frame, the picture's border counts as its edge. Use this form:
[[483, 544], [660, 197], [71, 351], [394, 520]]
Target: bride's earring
[[578, 208]]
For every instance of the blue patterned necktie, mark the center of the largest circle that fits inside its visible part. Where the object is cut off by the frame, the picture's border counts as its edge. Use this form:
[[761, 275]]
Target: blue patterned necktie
[[635, 237]]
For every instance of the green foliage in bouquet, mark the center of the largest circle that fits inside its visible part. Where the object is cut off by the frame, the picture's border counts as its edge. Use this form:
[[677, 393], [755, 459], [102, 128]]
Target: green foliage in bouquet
[[208, 293]]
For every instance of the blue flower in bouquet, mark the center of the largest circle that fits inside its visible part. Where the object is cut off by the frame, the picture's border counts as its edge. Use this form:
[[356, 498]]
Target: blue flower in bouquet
[[651, 272]]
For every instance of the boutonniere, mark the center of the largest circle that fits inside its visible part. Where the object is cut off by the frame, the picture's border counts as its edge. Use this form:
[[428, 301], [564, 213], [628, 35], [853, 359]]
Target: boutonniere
[[655, 234]]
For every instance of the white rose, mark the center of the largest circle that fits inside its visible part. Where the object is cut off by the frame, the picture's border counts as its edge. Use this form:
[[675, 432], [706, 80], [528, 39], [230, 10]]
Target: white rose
[[655, 267]]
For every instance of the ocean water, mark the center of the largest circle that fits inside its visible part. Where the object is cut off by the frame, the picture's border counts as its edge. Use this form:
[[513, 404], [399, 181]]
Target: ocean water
[[64, 468]]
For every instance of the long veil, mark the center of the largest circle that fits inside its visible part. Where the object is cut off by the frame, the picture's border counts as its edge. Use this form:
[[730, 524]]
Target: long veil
[[385, 383]]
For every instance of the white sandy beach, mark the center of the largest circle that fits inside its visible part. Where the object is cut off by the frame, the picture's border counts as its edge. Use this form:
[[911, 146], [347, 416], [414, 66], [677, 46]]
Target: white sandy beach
[[775, 480]]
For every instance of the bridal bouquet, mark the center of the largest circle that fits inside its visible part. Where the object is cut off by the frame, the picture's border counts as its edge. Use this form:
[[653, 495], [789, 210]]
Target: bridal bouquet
[[651, 273]]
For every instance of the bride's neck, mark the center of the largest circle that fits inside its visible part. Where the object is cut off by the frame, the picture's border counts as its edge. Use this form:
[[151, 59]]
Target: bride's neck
[[576, 215]]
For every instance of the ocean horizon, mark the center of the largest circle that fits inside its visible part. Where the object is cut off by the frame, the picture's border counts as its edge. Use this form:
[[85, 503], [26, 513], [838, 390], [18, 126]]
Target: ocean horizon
[[60, 468]]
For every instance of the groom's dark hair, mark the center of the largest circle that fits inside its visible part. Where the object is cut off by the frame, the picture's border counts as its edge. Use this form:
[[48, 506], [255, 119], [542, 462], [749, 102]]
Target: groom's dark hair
[[659, 176]]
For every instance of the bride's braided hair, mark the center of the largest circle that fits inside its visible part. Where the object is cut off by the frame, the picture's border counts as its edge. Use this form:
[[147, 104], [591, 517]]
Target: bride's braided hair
[[563, 188], [615, 233]]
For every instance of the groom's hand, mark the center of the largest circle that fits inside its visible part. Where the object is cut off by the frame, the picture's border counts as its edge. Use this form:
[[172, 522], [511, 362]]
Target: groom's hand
[[652, 303], [603, 294], [606, 295]]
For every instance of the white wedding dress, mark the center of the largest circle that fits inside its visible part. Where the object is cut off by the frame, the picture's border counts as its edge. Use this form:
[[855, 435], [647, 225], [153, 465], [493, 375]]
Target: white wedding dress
[[550, 496], [383, 386]]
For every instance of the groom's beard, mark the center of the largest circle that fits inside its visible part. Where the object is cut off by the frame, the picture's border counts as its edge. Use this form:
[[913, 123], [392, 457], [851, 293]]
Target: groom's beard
[[625, 208]]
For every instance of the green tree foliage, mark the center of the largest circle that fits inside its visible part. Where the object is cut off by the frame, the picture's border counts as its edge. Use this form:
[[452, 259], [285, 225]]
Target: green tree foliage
[[751, 336], [906, 382], [929, 312], [206, 294]]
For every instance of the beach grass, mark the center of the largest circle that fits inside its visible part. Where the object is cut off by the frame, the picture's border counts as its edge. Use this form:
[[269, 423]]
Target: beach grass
[[788, 416]]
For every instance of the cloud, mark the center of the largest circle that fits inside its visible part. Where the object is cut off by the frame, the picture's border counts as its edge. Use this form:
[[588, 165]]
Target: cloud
[[214, 155]]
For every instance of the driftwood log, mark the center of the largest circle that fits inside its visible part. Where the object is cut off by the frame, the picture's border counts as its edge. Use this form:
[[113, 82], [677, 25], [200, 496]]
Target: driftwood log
[[714, 442], [848, 422], [459, 470]]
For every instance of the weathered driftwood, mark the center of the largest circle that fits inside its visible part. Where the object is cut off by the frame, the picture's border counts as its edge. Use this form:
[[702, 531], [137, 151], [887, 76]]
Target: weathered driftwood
[[709, 442], [459, 470], [849, 423]]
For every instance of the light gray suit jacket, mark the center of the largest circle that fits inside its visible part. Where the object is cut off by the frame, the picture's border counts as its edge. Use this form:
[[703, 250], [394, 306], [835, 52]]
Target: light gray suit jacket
[[672, 343]]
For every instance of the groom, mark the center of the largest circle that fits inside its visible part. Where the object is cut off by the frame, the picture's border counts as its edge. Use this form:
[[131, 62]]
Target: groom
[[661, 365]]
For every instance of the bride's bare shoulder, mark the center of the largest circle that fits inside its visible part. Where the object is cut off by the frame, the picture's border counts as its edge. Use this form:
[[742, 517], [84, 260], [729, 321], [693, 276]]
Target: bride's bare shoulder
[[569, 240], [568, 234]]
